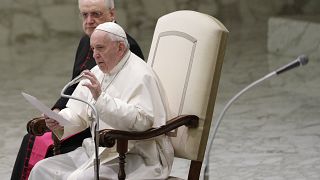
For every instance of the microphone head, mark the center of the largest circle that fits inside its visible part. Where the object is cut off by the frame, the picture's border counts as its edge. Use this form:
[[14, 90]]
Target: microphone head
[[303, 59]]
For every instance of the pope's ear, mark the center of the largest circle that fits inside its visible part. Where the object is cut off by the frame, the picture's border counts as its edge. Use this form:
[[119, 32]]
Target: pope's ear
[[121, 47]]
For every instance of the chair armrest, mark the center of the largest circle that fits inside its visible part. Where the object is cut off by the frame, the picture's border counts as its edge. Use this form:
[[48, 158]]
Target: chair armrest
[[107, 138], [37, 126]]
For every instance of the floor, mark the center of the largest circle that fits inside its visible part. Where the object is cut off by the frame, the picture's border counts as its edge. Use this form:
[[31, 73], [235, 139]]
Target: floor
[[272, 132]]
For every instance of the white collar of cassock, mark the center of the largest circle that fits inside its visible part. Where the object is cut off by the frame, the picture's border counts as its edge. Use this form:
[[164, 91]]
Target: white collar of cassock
[[120, 65]]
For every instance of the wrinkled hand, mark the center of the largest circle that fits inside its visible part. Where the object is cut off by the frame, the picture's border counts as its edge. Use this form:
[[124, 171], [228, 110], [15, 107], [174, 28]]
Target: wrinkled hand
[[94, 86], [52, 124]]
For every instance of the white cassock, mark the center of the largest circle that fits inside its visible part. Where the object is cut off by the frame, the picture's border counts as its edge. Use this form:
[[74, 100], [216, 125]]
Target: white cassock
[[132, 99]]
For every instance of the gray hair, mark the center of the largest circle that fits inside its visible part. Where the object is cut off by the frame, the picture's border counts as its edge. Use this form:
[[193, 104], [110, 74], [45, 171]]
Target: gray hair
[[109, 3]]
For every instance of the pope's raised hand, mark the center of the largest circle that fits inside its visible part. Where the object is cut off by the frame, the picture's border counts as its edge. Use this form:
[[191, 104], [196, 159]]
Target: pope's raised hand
[[94, 86]]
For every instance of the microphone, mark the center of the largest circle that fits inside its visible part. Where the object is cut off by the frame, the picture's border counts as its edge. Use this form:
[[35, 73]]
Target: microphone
[[76, 79], [300, 61]]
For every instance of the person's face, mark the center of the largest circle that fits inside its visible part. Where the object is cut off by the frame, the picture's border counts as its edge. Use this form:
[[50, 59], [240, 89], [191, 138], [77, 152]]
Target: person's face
[[106, 53], [93, 13]]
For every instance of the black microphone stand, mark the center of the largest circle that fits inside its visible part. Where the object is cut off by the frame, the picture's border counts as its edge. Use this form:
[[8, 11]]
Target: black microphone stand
[[94, 125]]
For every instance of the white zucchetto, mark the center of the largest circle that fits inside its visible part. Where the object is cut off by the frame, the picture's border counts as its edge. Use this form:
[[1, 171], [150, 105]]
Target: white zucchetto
[[112, 28]]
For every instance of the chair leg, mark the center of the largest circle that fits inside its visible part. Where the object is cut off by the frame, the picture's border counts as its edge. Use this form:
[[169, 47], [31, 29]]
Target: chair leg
[[194, 171], [122, 148]]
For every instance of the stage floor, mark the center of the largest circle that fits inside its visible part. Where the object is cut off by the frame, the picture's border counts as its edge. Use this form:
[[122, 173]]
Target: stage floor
[[271, 132]]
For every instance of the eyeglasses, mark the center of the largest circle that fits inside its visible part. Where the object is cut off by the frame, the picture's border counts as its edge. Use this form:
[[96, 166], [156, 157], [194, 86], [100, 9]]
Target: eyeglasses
[[94, 14]]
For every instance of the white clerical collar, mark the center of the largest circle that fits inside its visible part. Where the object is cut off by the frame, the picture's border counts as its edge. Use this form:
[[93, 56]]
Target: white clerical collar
[[120, 64]]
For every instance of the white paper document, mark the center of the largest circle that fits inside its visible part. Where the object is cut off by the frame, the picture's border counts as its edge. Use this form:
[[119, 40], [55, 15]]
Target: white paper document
[[47, 111]]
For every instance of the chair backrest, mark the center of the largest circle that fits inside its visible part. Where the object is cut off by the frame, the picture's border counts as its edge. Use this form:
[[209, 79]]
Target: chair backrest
[[187, 51]]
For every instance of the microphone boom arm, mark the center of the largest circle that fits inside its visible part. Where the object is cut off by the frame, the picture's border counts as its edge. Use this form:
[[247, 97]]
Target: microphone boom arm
[[300, 61], [226, 107], [95, 125]]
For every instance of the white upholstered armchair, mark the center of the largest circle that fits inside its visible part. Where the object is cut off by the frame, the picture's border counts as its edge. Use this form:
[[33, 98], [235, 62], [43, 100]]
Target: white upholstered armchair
[[187, 52]]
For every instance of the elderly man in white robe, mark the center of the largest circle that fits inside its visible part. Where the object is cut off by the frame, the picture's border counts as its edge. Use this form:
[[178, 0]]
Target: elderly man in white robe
[[128, 96]]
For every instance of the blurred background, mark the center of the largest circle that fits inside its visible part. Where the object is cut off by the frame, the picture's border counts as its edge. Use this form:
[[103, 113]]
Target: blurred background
[[272, 132]]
